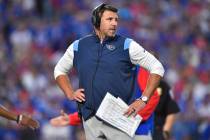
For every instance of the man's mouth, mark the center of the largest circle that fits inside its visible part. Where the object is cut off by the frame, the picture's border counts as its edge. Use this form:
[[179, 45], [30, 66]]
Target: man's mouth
[[113, 29]]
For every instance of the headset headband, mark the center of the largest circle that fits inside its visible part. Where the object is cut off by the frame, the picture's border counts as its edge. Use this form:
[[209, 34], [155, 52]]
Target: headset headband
[[96, 18]]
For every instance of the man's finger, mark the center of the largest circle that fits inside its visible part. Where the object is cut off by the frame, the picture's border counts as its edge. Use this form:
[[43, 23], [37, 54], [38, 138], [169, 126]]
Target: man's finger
[[80, 99], [62, 112], [81, 89], [130, 111], [82, 95], [134, 114], [133, 109], [127, 113], [33, 124], [37, 124]]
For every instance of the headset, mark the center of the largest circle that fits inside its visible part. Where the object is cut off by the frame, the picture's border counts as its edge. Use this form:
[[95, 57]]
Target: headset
[[96, 17]]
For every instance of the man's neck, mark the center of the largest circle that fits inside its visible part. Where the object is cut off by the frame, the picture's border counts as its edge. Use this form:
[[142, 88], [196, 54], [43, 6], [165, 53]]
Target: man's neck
[[100, 35]]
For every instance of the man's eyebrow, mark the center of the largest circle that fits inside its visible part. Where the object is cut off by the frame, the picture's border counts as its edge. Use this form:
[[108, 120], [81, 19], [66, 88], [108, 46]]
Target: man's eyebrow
[[111, 17]]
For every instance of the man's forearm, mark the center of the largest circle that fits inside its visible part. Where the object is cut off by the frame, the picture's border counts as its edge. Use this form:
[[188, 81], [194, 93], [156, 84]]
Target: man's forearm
[[170, 119], [7, 114], [64, 83], [152, 84]]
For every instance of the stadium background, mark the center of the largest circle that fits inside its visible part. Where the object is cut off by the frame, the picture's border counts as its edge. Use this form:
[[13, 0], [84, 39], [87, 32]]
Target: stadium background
[[35, 33]]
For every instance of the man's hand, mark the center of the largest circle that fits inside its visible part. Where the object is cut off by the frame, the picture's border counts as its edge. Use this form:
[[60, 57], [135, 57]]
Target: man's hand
[[62, 120], [78, 95], [27, 121], [166, 135], [134, 108]]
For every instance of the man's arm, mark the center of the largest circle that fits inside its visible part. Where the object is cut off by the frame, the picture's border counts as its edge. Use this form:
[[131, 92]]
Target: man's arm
[[172, 112], [144, 109], [7, 114], [168, 107], [139, 56], [61, 75], [170, 119], [64, 83], [20, 119], [147, 111], [65, 119]]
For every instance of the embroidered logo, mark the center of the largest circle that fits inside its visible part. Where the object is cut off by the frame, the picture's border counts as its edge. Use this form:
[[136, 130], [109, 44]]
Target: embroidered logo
[[110, 47]]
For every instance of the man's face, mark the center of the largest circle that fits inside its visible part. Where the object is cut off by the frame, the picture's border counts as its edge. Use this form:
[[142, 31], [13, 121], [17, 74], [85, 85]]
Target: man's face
[[109, 21]]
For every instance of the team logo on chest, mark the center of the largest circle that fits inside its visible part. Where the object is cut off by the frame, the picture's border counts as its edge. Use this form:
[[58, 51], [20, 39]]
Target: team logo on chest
[[110, 47]]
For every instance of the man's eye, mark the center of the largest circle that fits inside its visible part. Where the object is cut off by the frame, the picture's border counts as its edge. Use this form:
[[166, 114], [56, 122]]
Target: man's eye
[[110, 19]]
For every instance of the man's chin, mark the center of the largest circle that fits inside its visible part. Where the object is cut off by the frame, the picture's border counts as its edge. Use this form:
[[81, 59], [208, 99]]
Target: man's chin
[[111, 35]]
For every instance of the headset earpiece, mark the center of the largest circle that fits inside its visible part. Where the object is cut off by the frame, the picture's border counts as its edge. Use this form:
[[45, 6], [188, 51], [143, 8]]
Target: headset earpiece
[[96, 19]]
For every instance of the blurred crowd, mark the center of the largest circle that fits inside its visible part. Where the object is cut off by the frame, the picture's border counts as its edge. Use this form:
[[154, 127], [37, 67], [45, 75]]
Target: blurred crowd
[[35, 33]]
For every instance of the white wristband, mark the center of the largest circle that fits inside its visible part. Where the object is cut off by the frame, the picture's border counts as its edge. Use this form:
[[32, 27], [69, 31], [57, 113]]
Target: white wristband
[[19, 118]]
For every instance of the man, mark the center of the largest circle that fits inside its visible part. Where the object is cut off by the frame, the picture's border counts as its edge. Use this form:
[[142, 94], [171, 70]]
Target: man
[[144, 130], [165, 113], [105, 62], [20, 119]]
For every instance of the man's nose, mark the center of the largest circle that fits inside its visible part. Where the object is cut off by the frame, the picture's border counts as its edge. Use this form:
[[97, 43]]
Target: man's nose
[[114, 22]]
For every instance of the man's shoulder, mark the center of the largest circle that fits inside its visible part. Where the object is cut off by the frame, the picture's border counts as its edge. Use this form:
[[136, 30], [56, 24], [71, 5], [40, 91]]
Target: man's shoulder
[[89, 36], [123, 37]]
